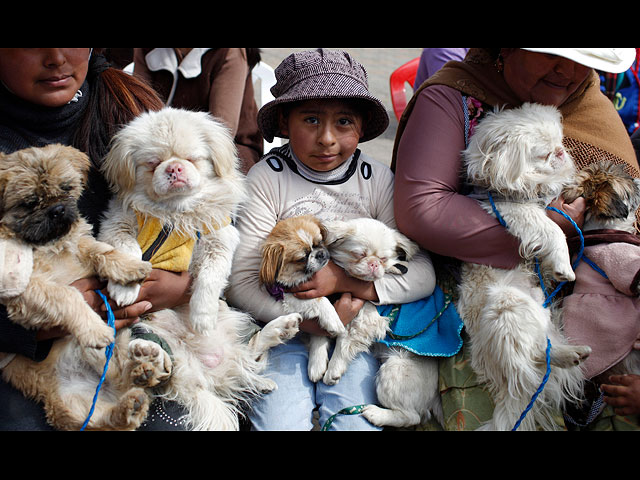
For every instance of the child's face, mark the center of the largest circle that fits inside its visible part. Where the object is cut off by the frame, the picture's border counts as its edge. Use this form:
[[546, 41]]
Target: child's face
[[322, 133]]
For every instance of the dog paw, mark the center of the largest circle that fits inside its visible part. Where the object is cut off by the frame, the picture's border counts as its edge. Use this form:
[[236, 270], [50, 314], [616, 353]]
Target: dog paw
[[123, 295], [375, 415], [334, 329], [567, 356], [268, 386], [137, 272], [132, 409], [99, 335], [317, 369], [564, 273], [334, 372], [203, 322], [150, 364], [286, 327]]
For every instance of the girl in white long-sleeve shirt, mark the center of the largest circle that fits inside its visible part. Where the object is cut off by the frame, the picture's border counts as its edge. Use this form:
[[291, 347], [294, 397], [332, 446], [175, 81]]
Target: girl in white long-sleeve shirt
[[320, 172]]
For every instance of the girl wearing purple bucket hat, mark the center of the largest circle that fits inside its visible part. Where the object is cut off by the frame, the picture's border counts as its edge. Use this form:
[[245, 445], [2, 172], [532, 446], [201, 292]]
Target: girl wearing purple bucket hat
[[323, 106]]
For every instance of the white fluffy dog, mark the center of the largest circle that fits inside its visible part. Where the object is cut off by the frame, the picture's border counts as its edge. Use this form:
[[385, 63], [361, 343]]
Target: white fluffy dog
[[367, 250], [518, 157], [177, 183]]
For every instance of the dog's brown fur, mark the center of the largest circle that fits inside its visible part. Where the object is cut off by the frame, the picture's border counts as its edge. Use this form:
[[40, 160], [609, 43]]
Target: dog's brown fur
[[607, 189], [39, 190], [278, 262]]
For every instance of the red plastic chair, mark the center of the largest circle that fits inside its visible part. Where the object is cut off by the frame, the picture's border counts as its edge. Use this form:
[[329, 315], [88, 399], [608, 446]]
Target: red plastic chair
[[398, 83]]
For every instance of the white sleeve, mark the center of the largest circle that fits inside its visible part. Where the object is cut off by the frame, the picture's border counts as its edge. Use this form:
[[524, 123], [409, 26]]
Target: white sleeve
[[256, 219], [420, 279]]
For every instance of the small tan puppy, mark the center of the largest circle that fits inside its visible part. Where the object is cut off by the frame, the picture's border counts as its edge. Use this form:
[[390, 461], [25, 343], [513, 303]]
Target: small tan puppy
[[292, 253], [39, 189]]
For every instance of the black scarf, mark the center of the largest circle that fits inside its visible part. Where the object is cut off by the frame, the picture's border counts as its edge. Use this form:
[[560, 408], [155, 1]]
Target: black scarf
[[24, 124]]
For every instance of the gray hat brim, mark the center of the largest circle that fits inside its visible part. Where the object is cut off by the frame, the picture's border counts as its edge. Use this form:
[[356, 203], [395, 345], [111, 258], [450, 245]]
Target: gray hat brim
[[375, 122]]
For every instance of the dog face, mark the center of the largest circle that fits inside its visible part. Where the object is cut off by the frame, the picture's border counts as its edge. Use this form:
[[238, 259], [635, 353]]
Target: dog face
[[367, 249], [39, 191], [172, 158], [519, 153], [612, 195], [293, 251]]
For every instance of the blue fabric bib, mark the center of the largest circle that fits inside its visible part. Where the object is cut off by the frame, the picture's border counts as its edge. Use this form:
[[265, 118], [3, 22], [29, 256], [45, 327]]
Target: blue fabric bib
[[441, 339]]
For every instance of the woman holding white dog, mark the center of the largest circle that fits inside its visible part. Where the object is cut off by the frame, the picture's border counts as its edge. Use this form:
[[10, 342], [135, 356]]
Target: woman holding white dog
[[430, 202], [71, 96]]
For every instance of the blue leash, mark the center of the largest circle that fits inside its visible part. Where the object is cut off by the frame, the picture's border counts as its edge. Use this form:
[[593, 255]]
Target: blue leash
[[548, 299], [108, 352]]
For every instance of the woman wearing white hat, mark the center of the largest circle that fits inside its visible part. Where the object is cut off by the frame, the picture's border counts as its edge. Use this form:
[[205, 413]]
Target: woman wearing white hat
[[429, 198]]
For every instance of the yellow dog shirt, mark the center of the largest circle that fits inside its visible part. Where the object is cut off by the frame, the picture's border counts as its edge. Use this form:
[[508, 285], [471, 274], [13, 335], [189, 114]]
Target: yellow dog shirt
[[164, 248]]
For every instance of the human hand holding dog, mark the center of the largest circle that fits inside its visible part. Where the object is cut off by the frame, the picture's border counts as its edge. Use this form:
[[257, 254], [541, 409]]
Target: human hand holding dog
[[333, 279], [347, 307], [623, 394], [575, 210], [161, 289], [124, 317]]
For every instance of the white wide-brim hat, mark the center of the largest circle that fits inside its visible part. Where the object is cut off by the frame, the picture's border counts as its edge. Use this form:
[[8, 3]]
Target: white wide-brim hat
[[611, 60]]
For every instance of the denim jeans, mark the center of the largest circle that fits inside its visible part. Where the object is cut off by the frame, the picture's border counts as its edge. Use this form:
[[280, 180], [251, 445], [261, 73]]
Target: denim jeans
[[291, 405]]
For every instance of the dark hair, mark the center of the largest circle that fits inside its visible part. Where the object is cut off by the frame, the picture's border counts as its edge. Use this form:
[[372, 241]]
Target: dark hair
[[254, 55], [115, 98]]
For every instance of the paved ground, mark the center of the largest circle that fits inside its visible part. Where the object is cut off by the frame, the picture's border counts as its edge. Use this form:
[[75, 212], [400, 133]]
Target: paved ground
[[379, 63]]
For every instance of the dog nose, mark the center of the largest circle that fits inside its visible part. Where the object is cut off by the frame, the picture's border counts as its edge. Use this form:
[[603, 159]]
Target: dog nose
[[174, 169], [56, 211], [322, 255]]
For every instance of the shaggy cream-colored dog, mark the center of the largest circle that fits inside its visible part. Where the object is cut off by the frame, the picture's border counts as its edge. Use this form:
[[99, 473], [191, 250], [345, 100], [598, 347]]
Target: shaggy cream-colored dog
[[517, 157], [177, 183]]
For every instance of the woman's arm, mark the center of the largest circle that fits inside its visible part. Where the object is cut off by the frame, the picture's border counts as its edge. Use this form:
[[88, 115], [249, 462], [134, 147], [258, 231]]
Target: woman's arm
[[429, 207]]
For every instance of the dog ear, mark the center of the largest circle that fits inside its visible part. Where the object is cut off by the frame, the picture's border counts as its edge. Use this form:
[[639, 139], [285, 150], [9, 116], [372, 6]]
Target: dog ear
[[636, 193], [80, 161], [222, 148], [335, 232], [405, 247], [272, 260], [118, 166]]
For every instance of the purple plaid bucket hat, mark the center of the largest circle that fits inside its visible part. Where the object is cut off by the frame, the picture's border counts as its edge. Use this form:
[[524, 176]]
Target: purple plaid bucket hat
[[318, 74]]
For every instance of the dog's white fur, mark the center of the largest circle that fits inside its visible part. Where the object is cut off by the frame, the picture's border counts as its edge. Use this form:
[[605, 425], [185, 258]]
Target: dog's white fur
[[141, 168], [366, 249], [518, 156], [181, 167]]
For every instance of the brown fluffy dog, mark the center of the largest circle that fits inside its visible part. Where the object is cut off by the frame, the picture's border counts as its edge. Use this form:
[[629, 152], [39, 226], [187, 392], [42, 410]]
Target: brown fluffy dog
[[39, 189]]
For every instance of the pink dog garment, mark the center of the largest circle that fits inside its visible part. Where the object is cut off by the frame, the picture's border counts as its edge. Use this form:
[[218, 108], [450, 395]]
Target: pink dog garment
[[604, 313]]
